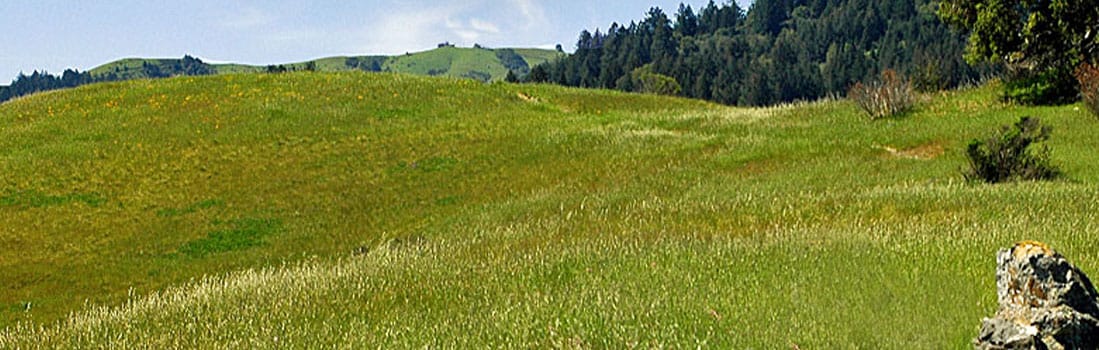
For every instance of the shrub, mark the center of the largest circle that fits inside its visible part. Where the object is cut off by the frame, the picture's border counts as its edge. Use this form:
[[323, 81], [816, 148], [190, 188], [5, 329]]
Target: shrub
[[1015, 152], [892, 94], [1088, 76], [646, 81], [1036, 88]]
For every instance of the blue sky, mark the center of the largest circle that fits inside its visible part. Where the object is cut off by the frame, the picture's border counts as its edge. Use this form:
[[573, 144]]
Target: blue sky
[[54, 35]]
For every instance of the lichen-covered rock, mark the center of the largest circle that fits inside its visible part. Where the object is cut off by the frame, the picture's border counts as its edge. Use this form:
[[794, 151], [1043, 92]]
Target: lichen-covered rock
[[1045, 303]]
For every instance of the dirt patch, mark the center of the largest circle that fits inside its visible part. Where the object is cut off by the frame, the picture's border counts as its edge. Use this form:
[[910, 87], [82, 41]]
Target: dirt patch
[[926, 151], [758, 167], [527, 98]]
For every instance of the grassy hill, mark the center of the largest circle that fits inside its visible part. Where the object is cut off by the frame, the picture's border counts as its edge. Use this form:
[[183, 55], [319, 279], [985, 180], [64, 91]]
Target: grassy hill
[[131, 68], [451, 61], [477, 63], [387, 210]]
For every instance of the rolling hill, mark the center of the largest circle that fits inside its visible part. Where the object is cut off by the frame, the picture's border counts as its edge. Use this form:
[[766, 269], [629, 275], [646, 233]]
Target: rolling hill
[[347, 209], [478, 63]]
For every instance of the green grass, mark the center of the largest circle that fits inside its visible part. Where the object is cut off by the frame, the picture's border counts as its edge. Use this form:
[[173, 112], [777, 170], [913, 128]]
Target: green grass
[[200, 205], [241, 234], [234, 68], [449, 61], [33, 199], [535, 57], [381, 210], [125, 64]]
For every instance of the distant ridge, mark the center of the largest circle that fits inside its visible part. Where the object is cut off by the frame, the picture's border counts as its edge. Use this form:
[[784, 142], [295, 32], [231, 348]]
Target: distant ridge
[[484, 64]]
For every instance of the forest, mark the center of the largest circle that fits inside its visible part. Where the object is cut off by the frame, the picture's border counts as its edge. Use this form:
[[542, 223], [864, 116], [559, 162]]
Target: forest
[[778, 51]]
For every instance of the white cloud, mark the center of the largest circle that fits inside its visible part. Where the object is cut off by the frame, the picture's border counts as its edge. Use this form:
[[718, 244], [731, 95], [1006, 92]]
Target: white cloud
[[248, 18], [471, 30], [406, 29], [484, 26], [413, 26], [533, 14], [453, 24], [402, 31]]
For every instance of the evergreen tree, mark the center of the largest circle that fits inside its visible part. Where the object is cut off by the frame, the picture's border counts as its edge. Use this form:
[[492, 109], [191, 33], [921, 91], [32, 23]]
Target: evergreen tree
[[193, 66], [43, 81], [538, 74], [766, 17], [686, 21], [781, 50]]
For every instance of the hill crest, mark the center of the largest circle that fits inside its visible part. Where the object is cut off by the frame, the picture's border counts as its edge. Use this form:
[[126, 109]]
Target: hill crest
[[484, 64]]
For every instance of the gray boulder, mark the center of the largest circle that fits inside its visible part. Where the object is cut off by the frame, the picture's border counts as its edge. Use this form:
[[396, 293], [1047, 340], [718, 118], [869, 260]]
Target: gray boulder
[[1045, 303]]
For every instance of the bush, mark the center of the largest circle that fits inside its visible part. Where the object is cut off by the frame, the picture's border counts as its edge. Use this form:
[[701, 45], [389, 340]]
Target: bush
[[1048, 87], [1088, 76], [646, 81], [892, 94], [1015, 152]]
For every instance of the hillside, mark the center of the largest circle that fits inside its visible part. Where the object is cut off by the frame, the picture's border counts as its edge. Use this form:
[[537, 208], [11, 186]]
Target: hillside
[[132, 68], [477, 63], [396, 211]]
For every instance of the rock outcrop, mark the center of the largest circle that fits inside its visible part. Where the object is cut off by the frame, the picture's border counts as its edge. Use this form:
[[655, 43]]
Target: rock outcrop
[[1045, 303]]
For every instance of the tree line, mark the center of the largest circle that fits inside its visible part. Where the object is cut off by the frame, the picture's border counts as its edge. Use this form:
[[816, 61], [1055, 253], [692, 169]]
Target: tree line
[[779, 51], [43, 81]]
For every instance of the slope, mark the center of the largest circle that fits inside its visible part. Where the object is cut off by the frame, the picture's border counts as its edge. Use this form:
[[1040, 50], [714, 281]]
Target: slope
[[390, 210]]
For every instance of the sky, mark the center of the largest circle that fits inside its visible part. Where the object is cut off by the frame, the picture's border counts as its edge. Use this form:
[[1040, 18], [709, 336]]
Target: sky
[[54, 35]]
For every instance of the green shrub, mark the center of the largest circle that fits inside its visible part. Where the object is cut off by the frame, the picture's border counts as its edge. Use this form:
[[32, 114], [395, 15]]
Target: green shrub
[[1050, 87], [1015, 152], [891, 95], [646, 81], [1088, 76]]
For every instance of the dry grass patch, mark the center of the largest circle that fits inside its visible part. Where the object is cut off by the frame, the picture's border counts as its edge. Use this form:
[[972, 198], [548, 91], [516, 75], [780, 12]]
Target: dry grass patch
[[926, 151]]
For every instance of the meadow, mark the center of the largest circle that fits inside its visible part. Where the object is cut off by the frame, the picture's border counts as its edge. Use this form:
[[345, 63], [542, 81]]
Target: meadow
[[350, 210]]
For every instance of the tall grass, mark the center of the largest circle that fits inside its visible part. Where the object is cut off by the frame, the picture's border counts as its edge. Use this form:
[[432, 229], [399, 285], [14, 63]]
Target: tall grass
[[444, 213]]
